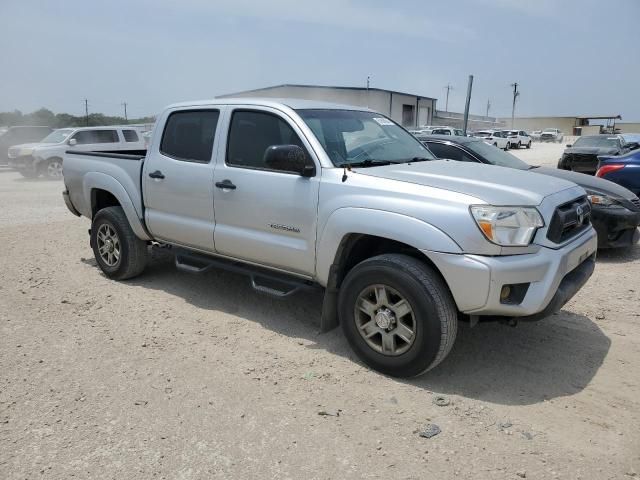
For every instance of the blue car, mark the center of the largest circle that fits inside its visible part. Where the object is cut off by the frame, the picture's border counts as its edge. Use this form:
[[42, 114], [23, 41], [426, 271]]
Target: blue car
[[623, 170]]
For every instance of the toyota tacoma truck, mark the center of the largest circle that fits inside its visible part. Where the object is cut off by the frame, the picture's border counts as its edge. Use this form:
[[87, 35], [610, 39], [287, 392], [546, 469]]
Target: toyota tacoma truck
[[300, 194]]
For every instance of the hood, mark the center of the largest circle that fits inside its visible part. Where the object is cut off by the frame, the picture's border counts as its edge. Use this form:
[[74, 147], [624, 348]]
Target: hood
[[588, 182], [492, 184], [592, 150]]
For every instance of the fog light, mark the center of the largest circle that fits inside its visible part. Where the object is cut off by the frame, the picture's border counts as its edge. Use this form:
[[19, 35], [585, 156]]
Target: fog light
[[513, 294], [505, 292]]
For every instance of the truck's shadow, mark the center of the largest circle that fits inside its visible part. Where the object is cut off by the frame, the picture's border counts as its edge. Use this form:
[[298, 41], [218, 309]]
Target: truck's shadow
[[516, 366], [619, 255]]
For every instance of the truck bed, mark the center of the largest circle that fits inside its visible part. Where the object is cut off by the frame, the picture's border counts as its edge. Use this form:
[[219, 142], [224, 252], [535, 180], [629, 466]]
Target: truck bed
[[87, 171]]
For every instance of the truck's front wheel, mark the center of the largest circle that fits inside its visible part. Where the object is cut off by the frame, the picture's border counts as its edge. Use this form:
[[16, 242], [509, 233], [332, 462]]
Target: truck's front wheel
[[119, 253], [397, 314]]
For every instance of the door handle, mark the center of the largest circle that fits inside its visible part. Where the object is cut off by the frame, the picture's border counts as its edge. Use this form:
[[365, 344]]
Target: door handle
[[156, 174], [226, 184]]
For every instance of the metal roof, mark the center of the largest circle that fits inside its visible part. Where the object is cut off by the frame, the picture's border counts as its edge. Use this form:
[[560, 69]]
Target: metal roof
[[334, 87]]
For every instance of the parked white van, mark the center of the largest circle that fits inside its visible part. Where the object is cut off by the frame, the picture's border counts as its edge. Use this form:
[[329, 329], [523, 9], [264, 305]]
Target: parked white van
[[45, 157]]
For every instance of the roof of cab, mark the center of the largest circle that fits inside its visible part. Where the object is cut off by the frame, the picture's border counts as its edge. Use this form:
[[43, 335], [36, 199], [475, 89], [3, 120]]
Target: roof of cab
[[293, 103]]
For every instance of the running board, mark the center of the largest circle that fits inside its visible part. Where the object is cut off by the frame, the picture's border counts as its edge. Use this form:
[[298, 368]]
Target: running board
[[264, 281]]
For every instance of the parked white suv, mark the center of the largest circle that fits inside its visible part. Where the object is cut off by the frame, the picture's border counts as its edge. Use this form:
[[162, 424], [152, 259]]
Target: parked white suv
[[45, 157], [496, 138], [518, 138]]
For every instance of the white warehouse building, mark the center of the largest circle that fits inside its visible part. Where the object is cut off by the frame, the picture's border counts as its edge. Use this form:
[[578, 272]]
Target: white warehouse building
[[406, 109]]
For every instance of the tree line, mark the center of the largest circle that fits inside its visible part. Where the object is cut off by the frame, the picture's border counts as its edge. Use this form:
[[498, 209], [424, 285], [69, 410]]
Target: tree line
[[45, 117]]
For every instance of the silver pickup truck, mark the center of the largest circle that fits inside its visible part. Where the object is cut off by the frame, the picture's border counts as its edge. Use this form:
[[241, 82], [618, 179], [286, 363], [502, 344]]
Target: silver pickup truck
[[301, 194]]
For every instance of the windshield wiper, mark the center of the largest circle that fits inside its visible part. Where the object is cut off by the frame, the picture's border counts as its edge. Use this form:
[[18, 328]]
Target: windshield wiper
[[419, 159], [367, 163]]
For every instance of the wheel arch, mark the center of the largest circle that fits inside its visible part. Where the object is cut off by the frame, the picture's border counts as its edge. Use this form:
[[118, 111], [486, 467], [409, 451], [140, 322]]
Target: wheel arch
[[99, 187], [352, 235]]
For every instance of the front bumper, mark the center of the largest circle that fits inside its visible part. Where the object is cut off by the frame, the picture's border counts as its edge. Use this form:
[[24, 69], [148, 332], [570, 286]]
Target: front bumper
[[24, 162], [616, 226], [476, 281]]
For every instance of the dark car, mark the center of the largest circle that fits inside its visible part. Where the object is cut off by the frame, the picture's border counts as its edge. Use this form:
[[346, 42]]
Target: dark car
[[582, 156], [19, 135], [615, 210], [623, 170]]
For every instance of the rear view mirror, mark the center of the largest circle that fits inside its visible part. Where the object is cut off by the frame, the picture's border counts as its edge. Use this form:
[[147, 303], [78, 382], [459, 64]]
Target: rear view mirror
[[73, 142], [288, 158]]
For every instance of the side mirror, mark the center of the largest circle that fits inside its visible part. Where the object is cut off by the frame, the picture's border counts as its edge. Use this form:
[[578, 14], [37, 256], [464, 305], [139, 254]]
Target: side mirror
[[288, 158], [569, 145], [73, 142]]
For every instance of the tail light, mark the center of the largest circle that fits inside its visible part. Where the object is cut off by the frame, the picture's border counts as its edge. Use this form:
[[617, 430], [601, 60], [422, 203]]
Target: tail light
[[602, 171]]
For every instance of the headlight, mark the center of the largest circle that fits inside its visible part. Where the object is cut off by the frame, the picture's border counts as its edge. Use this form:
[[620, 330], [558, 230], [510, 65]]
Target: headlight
[[507, 226], [602, 200]]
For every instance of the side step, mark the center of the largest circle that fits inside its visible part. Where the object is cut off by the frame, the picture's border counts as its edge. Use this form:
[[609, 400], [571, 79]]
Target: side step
[[264, 281]]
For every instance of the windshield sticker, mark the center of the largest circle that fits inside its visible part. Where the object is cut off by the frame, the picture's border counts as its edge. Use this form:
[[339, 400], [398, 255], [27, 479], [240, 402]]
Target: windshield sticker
[[382, 121]]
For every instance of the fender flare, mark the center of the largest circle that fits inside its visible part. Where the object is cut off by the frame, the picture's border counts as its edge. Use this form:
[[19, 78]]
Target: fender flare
[[97, 180], [380, 223]]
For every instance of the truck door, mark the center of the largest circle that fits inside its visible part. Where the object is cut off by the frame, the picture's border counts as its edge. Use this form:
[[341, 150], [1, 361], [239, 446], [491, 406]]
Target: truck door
[[178, 178], [264, 215]]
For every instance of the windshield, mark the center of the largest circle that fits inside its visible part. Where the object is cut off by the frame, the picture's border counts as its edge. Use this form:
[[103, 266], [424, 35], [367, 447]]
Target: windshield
[[57, 136], [351, 137], [482, 134], [495, 156], [602, 141]]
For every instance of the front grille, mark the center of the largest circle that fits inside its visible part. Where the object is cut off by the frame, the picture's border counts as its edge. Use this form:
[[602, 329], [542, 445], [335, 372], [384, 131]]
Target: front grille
[[547, 135], [569, 220]]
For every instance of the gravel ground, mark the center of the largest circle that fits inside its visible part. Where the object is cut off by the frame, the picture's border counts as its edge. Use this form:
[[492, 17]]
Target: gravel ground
[[178, 376]]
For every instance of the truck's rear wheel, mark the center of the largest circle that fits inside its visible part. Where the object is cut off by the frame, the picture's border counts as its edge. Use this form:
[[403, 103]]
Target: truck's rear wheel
[[397, 314], [119, 253]]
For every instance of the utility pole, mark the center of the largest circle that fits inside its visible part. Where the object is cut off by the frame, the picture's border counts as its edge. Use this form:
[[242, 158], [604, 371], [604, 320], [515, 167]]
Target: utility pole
[[466, 105], [488, 107], [516, 93], [368, 79], [86, 112], [124, 104], [446, 105]]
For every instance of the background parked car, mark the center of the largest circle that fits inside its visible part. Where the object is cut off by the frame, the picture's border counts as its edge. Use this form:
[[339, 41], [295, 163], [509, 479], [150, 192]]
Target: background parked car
[[615, 210], [623, 170], [45, 157], [17, 135], [496, 138], [582, 156], [518, 138], [551, 135], [535, 135]]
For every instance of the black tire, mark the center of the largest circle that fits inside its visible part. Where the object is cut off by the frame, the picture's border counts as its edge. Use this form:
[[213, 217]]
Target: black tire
[[495, 144], [529, 144], [519, 145], [506, 147], [133, 252], [433, 310], [29, 174]]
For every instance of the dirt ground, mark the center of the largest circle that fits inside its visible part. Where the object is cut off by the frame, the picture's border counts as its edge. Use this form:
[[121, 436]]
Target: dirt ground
[[186, 377]]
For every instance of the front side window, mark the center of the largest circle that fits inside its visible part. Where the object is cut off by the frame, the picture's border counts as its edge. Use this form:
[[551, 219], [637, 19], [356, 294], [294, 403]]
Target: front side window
[[130, 135], [188, 135], [356, 137], [252, 132]]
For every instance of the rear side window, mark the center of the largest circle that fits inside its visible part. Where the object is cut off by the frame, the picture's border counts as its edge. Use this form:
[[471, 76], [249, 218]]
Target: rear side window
[[130, 135], [442, 150], [251, 133], [188, 135], [85, 137]]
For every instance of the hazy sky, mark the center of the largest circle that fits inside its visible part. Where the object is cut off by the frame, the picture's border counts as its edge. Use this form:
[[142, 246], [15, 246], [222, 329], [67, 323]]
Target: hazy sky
[[569, 56]]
